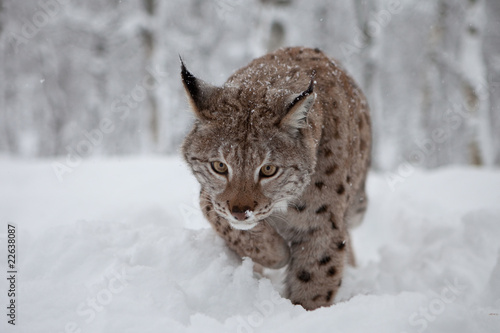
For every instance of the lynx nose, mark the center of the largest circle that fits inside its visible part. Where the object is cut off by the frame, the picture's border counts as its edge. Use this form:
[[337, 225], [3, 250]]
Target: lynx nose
[[239, 213]]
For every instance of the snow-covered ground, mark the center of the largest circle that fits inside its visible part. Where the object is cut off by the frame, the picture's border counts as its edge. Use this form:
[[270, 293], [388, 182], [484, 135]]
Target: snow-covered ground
[[120, 246]]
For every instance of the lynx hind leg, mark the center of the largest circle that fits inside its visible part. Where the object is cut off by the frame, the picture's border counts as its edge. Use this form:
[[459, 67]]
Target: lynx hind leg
[[315, 271], [262, 243], [354, 217]]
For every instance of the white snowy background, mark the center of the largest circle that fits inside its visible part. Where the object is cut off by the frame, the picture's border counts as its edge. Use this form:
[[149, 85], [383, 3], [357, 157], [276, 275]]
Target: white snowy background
[[109, 234]]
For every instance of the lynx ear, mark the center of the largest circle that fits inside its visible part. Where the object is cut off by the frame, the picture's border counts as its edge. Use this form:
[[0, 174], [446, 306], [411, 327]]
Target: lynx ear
[[299, 107], [199, 92]]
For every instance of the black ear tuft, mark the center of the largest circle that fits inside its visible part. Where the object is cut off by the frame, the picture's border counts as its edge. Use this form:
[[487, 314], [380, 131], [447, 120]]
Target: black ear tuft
[[298, 109], [200, 94], [303, 94], [189, 80]]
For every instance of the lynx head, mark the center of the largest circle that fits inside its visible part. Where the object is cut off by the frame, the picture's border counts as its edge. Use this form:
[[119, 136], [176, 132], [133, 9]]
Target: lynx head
[[251, 147]]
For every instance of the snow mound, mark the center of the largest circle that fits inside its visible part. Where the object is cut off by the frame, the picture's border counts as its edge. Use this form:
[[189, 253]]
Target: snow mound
[[120, 246]]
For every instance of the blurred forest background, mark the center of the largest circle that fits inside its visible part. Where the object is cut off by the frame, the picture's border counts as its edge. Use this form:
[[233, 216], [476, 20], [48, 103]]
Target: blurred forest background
[[101, 77]]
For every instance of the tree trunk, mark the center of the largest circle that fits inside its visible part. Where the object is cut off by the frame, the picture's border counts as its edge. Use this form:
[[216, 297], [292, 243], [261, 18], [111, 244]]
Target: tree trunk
[[491, 53]]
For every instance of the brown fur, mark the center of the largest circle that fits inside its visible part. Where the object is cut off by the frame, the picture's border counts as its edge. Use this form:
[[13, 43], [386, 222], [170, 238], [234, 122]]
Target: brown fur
[[296, 109]]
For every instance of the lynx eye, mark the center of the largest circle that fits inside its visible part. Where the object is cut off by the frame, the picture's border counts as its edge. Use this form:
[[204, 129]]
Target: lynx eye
[[268, 170], [219, 167]]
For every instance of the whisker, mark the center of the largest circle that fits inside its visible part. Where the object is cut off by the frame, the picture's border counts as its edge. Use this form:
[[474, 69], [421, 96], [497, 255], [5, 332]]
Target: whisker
[[280, 217]]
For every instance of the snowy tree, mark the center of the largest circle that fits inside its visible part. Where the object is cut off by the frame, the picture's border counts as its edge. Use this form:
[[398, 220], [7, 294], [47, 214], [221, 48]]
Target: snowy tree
[[430, 70]]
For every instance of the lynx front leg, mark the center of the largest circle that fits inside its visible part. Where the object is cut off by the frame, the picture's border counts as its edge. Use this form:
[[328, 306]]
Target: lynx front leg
[[261, 243], [315, 270]]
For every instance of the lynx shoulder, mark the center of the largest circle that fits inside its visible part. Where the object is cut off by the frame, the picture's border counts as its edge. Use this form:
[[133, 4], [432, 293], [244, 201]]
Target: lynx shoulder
[[282, 151]]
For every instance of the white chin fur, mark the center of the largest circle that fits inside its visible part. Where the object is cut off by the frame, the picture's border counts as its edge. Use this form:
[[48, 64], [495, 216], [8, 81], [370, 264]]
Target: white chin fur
[[281, 206], [243, 225]]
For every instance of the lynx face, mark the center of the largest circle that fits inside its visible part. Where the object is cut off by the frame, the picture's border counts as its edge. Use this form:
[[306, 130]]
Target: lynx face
[[246, 183], [251, 161]]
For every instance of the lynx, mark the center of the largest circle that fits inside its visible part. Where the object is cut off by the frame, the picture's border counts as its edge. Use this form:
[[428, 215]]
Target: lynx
[[282, 151]]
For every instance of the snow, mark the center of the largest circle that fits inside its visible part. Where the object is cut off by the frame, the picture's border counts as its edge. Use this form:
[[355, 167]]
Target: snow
[[120, 246], [422, 65], [249, 214]]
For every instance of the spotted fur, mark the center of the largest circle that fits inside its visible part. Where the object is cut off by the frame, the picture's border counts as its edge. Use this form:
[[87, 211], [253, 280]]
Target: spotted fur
[[298, 110]]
